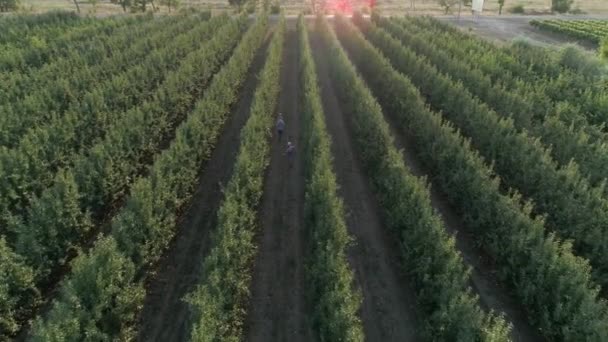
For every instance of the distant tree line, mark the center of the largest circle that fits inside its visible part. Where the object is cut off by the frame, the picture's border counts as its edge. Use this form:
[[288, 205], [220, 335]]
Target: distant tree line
[[8, 5]]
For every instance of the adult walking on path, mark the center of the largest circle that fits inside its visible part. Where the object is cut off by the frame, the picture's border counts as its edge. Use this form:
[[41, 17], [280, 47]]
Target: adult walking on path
[[280, 126]]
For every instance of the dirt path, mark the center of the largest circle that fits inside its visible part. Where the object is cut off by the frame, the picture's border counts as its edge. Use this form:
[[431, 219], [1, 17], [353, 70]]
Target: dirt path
[[388, 311], [493, 295], [165, 316], [278, 306], [505, 29]]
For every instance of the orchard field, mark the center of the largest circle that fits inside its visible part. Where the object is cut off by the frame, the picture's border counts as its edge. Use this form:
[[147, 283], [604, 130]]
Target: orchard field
[[442, 188]]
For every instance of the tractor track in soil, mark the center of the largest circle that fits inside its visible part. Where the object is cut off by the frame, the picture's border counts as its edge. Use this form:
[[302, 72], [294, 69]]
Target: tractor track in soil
[[278, 309], [484, 280], [388, 311], [493, 295], [165, 316]]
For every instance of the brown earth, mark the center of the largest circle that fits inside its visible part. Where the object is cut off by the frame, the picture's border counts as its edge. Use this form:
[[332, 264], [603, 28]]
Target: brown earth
[[389, 305], [505, 29], [165, 316], [278, 310], [493, 295]]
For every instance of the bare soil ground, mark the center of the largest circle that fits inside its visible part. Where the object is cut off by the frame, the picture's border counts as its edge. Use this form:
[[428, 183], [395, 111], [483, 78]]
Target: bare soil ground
[[278, 309], [506, 28], [165, 317], [484, 281], [389, 306], [493, 295]]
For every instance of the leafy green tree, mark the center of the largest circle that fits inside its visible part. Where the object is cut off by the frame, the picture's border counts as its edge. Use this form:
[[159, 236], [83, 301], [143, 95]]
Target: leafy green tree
[[561, 6], [123, 3], [17, 290], [604, 49], [237, 3], [170, 3], [501, 4], [8, 5], [447, 5]]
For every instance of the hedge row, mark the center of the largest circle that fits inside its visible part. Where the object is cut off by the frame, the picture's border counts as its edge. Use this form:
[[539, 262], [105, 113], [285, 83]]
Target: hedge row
[[576, 94], [551, 283], [219, 303], [429, 255], [29, 168], [28, 50], [64, 216], [336, 301], [79, 88], [102, 176], [528, 113], [100, 37], [574, 29], [101, 297], [575, 210], [16, 28]]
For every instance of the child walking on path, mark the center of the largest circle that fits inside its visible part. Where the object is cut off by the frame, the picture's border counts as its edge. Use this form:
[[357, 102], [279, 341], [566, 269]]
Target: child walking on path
[[291, 151]]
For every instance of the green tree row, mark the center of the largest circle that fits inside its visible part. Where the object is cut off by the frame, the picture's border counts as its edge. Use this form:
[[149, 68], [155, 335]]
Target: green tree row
[[104, 291], [65, 215], [19, 34], [219, 303], [523, 106], [577, 96], [17, 25], [30, 168], [552, 285], [336, 301], [577, 29], [44, 48], [48, 97], [574, 209], [452, 312]]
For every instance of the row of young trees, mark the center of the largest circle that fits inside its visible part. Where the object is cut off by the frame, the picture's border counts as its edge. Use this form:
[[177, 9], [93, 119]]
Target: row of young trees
[[550, 283], [24, 89], [579, 29], [55, 41], [30, 167], [219, 302], [104, 291], [330, 277], [576, 85], [575, 209], [452, 312], [523, 105], [65, 215]]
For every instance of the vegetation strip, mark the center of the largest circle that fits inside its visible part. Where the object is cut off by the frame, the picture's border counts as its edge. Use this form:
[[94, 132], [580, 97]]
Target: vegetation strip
[[593, 31], [27, 52], [551, 283], [104, 292], [575, 209], [578, 94], [78, 92], [528, 112], [219, 302], [439, 274], [98, 45], [65, 216], [30, 168], [336, 302]]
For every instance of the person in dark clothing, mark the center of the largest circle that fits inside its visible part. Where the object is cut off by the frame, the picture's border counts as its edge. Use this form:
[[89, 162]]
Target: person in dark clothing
[[291, 151], [280, 126]]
